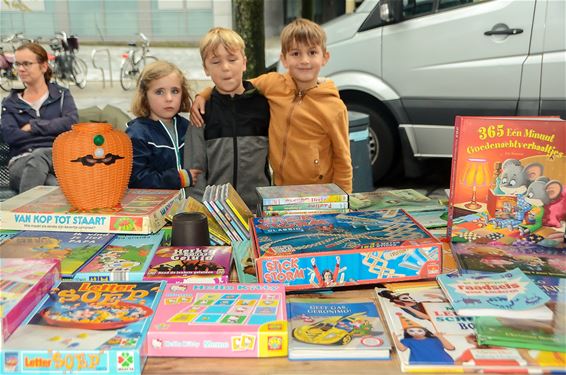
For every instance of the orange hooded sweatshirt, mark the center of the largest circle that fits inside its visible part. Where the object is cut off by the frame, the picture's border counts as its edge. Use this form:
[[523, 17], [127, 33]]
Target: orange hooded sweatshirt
[[308, 132]]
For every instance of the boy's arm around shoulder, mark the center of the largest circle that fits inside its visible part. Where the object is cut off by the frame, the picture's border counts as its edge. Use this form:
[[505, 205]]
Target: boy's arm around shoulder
[[342, 162]]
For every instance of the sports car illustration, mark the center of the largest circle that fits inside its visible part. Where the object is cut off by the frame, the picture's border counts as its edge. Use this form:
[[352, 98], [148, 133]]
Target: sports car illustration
[[334, 330]]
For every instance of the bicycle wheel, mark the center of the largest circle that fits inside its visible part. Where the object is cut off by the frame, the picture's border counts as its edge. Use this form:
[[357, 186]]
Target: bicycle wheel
[[128, 75], [80, 70], [59, 75], [6, 82]]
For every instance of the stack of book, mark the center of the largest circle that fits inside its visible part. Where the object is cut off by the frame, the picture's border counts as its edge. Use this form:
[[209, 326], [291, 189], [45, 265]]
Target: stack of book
[[301, 200], [229, 210]]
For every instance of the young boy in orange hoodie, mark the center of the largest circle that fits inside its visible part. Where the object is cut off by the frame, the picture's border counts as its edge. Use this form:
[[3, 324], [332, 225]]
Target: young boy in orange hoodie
[[308, 131]]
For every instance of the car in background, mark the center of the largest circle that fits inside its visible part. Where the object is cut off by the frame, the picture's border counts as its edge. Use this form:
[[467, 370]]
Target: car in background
[[413, 65]]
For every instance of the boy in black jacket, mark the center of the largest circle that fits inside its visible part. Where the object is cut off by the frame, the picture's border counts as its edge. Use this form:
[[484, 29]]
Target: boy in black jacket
[[233, 146]]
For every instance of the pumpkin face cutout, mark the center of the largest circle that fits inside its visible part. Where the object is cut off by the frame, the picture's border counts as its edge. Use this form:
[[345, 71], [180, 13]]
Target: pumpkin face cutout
[[93, 163]]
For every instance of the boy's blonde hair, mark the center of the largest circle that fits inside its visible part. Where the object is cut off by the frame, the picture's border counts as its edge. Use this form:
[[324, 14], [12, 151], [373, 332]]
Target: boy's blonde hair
[[152, 72], [217, 36], [302, 31]]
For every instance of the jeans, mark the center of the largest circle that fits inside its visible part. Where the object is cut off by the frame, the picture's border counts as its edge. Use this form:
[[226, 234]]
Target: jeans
[[31, 170]]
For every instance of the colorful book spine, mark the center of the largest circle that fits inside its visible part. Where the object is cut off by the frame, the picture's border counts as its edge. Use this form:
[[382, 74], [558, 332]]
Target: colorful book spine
[[238, 206], [304, 212], [306, 206], [207, 200]]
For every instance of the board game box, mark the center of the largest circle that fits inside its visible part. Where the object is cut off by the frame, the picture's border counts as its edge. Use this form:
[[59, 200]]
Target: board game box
[[226, 320], [126, 258], [23, 283], [45, 208], [72, 249], [364, 247], [507, 182], [191, 264], [85, 328]]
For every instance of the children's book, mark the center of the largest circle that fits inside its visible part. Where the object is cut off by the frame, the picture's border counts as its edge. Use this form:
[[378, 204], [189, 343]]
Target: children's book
[[237, 205], [191, 264], [209, 200], [126, 258], [510, 294], [431, 219], [333, 328], [73, 250], [23, 283], [45, 208], [85, 328], [507, 182], [530, 334], [227, 320], [293, 194], [408, 199], [231, 217], [431, 337], [317, 251], [531, 258], [243, 255]]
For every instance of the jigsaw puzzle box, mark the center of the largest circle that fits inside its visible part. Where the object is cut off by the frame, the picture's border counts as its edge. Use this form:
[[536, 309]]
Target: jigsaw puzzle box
[[224, 320], [365, 247]]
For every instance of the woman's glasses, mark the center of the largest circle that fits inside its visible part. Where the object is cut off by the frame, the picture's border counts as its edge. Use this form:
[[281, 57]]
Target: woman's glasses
[[25, 64]]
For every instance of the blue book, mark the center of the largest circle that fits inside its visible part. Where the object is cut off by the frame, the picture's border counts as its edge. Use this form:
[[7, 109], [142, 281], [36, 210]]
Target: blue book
[[86, 328], [509, 294], [126, 258]]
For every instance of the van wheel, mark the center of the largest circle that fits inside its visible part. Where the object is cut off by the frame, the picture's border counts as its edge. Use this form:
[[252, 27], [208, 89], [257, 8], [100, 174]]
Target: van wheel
[[383, 142]]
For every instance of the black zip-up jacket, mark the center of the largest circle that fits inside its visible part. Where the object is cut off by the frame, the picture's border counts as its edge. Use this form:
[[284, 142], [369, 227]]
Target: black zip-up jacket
[[233, 146]]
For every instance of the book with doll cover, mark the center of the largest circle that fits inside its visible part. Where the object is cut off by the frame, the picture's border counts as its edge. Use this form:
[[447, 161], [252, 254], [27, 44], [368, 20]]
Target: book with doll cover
[[334, 328], [45, 208], [73, 250], [191, 264], [23, 283], [431, 337], [126, 258], [85, 328], [507, 182]]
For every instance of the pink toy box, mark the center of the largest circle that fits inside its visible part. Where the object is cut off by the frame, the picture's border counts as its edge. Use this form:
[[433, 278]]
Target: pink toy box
[[23, 283], [225, 320]]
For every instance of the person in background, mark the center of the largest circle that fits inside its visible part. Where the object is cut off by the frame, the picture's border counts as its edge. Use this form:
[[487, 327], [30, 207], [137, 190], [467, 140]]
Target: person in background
[[233, 146], [32, 118], [308, 131], [158, 132]]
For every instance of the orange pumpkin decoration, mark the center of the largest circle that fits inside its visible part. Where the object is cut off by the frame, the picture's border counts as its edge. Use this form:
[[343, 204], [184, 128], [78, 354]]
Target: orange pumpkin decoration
[[93, 163]]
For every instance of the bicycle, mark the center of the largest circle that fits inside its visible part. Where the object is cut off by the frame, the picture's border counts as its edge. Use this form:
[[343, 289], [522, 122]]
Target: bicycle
[[67, 67], [134, 61], [8, 74]]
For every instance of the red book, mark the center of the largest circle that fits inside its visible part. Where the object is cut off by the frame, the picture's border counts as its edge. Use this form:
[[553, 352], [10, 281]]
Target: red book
[[507, 183]]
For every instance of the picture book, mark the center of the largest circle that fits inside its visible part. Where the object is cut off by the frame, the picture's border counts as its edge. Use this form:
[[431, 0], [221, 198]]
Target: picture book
[[209, 200], [230, 215], [243, 255], [408, 199], [507, 182], [293, 194], [431, 337], [317, 251], [226, 320], [530, 333], [431, 219], [237, 205], [532, 259], [191, 264], [45, 208], [73, 250], [333, 328], [85, 328], [23, 283], [510, 294], [126, 258]]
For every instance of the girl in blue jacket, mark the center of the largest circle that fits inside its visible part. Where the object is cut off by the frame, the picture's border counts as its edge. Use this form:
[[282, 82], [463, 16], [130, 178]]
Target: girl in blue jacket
[[158, 132], [31, 119]]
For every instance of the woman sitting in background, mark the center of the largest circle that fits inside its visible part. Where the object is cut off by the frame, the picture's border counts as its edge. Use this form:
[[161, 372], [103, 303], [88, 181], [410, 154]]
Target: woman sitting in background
[[31, 119]]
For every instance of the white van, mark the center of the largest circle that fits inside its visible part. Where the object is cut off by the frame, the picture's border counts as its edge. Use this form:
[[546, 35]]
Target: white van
[[412, 65]]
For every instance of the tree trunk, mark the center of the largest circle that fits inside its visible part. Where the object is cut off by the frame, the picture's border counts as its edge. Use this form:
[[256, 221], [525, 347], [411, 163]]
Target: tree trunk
[[247, 18]]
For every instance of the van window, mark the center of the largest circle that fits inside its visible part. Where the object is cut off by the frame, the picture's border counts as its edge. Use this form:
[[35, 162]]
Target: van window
[[412, 8]]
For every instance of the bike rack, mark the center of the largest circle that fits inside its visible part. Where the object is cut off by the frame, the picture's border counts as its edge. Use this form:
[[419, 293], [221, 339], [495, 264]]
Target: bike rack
[[92, 56]]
